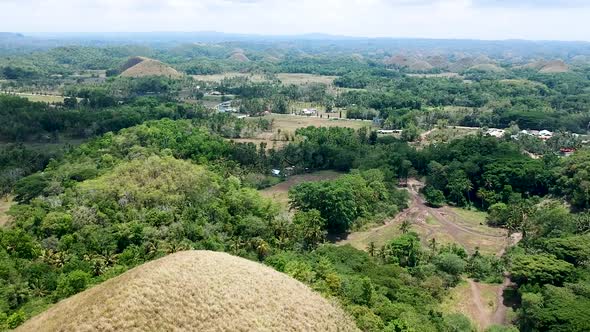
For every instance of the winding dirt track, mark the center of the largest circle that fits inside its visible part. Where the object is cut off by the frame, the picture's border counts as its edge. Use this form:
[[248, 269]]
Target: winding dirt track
[[450, 223]]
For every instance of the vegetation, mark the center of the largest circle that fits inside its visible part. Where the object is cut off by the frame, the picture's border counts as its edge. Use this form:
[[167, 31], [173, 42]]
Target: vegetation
[[122, 169]]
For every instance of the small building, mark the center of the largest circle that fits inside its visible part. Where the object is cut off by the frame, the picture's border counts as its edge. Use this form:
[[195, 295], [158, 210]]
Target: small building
[[545, 134], [309, 111], [226, 107], [566, 152], [498, 133], [276, 172], [389, 131]]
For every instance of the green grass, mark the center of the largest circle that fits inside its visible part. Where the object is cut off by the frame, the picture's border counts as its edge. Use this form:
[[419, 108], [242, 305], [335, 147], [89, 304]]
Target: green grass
[[5, 204], [472, 217]]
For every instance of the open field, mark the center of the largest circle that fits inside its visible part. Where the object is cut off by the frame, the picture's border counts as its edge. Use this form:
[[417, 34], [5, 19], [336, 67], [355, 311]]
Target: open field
[[41, 98], [450, 133], [446, 225], [216, 78], [286, 124], [280, 192], [293, 122], [441, 75], [478, 301], [5, 205], [302, 79]]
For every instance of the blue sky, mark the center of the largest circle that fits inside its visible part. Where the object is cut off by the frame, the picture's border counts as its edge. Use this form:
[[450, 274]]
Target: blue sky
[[478, 19]]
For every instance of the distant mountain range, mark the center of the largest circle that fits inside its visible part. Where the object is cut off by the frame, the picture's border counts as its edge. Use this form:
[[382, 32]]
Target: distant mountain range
[[494, 48]]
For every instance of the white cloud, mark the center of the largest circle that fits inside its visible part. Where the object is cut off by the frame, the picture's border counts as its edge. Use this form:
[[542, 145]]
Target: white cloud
[[484, 19]]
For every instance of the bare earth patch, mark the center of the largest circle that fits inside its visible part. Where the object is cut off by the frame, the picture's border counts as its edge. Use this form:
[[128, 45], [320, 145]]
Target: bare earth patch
[[287, 124], [280, 192], [302, 79], [446, 224]]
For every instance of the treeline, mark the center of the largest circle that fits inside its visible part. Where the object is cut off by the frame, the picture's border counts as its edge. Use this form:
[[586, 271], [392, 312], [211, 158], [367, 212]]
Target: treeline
[[95, 114]]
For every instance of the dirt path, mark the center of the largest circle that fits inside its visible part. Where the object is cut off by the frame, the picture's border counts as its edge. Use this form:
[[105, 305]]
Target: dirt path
[[451, 225], [482, 318], [448, 226]]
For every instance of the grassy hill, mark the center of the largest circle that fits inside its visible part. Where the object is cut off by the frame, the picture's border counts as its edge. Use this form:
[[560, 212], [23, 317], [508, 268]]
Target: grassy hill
[[140, 67], [195, 291]]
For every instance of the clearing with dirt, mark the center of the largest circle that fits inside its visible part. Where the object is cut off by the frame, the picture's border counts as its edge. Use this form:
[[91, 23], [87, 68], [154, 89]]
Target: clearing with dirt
[[445, 224], [285, 125], [304, 79], [280, 192], [482, 303]]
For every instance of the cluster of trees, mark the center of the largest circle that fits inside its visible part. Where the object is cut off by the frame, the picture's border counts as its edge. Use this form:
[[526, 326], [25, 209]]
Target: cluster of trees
[[550, 266], [393, 288], [344, 202], [97, 113]]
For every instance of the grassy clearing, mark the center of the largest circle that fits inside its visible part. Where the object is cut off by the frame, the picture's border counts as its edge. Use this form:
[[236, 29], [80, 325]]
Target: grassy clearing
[[195, 291], [461, 299], [303, 79], [475, 220], [294, 122], [217, 78], [441, 75], [42, 98], [5, 205], [285, 125], [444, 135], [280, 192]]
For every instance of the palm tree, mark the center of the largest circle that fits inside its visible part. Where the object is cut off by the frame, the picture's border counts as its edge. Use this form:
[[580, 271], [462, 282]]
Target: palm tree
[[371, 248], [405, 226], [262, 248], [432, 245]]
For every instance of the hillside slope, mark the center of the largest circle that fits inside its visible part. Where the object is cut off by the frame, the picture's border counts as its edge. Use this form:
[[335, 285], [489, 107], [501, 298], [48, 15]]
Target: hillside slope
[[141, 67], [195, 291]]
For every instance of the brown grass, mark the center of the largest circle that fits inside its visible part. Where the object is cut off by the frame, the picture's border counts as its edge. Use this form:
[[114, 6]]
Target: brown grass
[[446, 225], [150, 67], [303, 79], [293, 122], [195, 291], [285, 125], [5, 205], [280, 192], [41, 98], [461, 299], [556, 66], [216, 78]]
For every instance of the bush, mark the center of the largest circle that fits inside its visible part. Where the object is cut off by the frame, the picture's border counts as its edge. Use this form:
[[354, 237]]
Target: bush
[[434, 197], [72, 283]]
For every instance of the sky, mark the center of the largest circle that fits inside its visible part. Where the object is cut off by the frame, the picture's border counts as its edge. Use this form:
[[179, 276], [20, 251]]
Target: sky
[[475, 19]]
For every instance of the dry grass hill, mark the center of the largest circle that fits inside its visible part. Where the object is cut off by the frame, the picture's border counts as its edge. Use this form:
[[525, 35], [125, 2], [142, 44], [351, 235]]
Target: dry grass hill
[[547, 67], [195, 291], [555, 66], [140, 67], [410, 62]]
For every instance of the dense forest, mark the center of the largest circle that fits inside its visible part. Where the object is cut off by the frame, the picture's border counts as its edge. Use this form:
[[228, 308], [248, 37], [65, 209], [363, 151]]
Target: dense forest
[[124, 170]]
